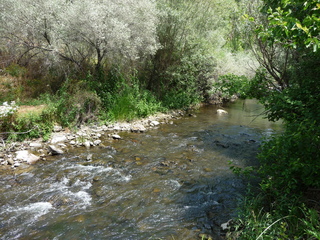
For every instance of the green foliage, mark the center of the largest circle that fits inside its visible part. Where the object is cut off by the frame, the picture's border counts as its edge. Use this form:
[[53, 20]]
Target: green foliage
[[258, 220], [123, 98], [178, 99], [132, 101], [77, 104], [33, 125], [231, 84], [15, 70], [289, 161], [295, 24]]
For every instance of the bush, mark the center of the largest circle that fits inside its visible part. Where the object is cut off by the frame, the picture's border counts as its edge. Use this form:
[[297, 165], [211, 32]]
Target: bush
[[77, 104], [132, 101], [33, 125], [230, 84], [7, 115]]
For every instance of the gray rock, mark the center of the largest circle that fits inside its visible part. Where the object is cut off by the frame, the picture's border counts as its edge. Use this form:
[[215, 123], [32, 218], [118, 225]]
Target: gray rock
[[26, 156], [116, 136], [10, 161], [62, 145], [97, 142], [154, 123], [117, 128], [35, 145], [89, 157], [138, 128], [57, 128], [58, 137], [55, 150], [87, 144]]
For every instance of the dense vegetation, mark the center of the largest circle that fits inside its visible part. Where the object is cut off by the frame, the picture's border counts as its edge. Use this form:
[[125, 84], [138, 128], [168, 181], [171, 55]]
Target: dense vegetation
[[118, 61], [287, 47], [123, 62]]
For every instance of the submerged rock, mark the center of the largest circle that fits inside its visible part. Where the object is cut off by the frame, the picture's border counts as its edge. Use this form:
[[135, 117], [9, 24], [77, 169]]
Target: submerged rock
[[221, 111]]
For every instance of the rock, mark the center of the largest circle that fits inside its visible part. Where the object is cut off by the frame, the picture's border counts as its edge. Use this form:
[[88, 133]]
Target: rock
[[138, 128], [10, 161], [16, 164], [97, 142], [87, 144], [117, 128], [116, 136], [62, 145], [57, 128], [154, 123], [222, 145], [89, 157], [72, 142], [35, 145], [57, 138], [221, 111], [55, 150], [26, 156]]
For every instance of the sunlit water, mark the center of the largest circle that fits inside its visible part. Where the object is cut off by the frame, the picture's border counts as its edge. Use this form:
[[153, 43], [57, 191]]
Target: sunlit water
[[169, 183]]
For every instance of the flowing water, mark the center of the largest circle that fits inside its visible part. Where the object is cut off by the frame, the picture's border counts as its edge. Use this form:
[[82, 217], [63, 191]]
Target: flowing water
[[173, 182]]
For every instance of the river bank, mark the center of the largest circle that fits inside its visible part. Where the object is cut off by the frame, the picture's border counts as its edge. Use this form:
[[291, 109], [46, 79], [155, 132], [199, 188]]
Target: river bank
[[21, 154]]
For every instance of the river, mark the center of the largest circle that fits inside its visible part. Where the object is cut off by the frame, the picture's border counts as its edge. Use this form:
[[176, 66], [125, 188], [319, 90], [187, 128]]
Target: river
[[171, 183]]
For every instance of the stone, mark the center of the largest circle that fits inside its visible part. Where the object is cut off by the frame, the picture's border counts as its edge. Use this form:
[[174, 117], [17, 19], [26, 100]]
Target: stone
[[57, 128], [57, 138], [10, 161], [55, 150], [154, 123], [72, 142], [35, 145], [89, 157], [16, 164], [117, 128], [62, 145], [221, 111], [26, 156], [97, 142], [138, 128], [116, 136], [87, 144]]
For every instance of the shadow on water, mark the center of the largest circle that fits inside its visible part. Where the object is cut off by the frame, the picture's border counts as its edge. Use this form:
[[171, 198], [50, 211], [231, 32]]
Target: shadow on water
[[169, 183]]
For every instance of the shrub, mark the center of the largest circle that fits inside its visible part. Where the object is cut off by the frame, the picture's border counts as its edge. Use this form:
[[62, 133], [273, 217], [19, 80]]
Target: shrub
[[77, 104], [132, 101], [7, 114], [230, 84]]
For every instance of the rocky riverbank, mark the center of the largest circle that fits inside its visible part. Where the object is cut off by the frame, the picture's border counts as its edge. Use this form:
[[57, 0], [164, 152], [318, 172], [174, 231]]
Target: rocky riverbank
[[21, 154]]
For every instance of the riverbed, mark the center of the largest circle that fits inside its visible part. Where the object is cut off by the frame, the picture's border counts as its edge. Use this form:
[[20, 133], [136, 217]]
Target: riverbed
[[173, 182]]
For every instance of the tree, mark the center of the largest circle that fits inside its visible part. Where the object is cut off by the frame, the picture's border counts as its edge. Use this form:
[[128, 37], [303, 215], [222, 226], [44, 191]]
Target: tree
[[81, 32], [295, 24], [292, 157]]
